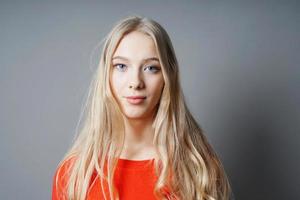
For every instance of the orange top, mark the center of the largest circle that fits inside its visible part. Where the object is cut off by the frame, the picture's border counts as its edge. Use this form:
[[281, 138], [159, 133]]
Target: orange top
[[134, 179]]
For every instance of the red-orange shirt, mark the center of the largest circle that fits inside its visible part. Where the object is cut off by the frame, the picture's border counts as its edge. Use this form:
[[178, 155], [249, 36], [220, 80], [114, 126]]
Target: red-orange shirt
[[133, 179]]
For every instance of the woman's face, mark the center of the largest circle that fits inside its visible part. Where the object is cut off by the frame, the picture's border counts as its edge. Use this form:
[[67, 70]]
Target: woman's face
[[136, 77]]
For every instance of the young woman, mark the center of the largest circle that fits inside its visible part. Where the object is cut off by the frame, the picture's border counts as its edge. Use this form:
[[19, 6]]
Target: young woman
[[139, 140]]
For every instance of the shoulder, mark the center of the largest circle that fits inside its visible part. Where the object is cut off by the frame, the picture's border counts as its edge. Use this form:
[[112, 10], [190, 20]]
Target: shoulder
[[64, 168], [61, 177]]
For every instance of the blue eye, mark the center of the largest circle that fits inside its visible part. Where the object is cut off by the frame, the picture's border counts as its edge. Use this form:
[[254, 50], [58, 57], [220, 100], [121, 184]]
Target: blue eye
[[153, 69], [120, 67]]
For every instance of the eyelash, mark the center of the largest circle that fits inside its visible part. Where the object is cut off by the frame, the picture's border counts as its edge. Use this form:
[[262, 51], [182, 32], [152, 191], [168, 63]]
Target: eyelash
[[156, 68]]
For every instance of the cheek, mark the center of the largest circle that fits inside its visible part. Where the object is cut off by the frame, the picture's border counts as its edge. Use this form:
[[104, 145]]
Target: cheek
[[157, 88], [116, 83]]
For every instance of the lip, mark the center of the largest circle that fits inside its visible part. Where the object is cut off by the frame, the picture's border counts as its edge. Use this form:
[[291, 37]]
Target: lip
[[135, 100], [136, 97]]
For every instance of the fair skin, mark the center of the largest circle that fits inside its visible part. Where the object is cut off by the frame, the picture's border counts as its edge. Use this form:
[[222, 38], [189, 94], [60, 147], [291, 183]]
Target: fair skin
[[137, 83]]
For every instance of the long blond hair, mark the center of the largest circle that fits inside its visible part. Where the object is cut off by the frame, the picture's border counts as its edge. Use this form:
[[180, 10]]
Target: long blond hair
[[186, 163]]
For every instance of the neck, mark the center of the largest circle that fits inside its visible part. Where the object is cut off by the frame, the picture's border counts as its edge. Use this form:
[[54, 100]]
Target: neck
[[138, 143], [138, 131]]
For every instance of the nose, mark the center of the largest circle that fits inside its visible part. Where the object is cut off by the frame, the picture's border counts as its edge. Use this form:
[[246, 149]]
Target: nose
[[136, 79]]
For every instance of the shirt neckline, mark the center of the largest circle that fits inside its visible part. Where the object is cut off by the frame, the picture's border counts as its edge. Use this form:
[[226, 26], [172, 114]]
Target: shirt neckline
[[135, 164]]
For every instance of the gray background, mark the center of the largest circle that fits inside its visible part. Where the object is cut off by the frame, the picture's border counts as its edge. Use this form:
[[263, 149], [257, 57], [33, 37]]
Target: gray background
[[239, 64]]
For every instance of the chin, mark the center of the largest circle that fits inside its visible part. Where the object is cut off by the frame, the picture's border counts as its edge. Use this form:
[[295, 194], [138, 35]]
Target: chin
[[135, 114]]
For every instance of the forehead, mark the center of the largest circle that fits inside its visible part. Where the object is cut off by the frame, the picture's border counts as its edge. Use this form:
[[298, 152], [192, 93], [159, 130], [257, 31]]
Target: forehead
[[136, 46]]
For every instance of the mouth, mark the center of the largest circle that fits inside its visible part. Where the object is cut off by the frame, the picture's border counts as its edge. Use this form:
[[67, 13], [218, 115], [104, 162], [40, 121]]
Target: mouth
[[135, 100]]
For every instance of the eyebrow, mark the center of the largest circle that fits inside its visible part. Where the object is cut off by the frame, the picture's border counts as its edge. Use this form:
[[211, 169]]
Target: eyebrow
[[146, 59]]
